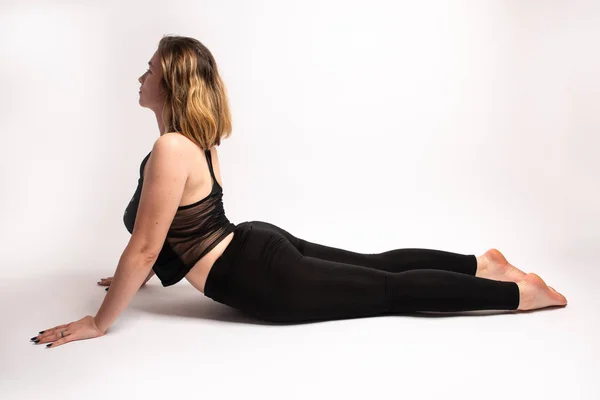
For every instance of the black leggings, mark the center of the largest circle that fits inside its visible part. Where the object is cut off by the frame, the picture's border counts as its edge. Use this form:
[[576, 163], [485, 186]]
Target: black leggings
[[272, 275]]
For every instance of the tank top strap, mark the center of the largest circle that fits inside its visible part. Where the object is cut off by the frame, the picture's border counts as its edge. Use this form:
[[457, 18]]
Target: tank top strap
[[210, 167], [143, 164]]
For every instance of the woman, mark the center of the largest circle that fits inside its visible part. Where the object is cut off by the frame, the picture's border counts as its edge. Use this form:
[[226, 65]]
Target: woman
[[179, 229]]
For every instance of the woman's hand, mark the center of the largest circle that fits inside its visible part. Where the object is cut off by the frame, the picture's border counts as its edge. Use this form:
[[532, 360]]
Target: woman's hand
[[85, 328], [106, 282]]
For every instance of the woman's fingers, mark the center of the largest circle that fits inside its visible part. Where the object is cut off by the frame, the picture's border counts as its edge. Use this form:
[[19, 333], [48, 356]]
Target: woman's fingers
[[105, 281], [48, 333]]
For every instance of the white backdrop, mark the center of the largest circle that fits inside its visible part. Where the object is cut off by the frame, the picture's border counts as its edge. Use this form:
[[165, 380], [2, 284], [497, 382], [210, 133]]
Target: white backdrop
[[366, 125]]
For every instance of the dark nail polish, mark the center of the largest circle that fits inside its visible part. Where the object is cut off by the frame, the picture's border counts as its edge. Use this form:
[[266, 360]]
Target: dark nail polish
[[42, 331], [37, 341], [33, 338], [106, 289], [49, 344]]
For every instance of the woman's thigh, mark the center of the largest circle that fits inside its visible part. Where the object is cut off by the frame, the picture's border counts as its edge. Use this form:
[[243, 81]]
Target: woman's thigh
[[275, 282], [316, 250], [394, 260]]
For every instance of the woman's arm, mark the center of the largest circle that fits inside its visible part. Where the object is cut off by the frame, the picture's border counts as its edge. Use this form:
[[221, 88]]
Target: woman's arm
[[108, 281], [134, 266], [150, 275]]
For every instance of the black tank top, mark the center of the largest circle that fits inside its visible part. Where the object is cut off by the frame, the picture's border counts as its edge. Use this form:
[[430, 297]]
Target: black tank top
[[196, 229]]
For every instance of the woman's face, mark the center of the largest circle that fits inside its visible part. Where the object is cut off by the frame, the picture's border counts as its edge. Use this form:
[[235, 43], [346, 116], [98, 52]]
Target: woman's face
[[151, 92]]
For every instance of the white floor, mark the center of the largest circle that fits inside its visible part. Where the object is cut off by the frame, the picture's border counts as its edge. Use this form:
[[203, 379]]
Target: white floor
[[174, 343]]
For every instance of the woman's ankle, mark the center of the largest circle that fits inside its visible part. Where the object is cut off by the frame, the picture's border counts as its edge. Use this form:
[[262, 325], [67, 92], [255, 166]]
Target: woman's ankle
[[526, 295]]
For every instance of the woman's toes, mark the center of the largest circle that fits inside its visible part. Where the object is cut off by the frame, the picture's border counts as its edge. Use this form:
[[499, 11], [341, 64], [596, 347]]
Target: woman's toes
[[560, 299], [536, 294]]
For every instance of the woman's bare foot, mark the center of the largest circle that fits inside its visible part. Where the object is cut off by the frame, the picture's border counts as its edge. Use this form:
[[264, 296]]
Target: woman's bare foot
[[534, 294], [493, 265]]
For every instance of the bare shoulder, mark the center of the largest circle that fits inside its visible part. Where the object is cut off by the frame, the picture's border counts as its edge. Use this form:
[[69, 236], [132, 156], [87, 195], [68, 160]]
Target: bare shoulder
[[173, 138], [176, 137], [181, 141], [170, 145], [176, 141]]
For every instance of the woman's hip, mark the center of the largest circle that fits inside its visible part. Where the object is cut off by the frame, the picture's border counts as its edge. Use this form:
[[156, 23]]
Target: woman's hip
[[245, 265]]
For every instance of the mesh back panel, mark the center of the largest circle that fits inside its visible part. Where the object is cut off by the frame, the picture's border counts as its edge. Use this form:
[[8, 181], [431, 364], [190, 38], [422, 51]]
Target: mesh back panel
[[196, 229]]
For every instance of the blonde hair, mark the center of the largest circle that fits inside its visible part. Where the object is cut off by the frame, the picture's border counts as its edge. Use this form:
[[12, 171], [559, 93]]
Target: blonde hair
[[196, 103]]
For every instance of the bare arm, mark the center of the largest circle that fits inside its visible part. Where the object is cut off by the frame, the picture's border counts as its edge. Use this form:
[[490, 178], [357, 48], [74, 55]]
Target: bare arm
[[108, 281], [134, 266], [150, 275]]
